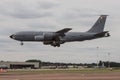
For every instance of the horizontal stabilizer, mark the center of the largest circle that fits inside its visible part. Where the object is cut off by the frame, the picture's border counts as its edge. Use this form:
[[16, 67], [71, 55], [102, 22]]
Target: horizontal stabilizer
[[102, 34]]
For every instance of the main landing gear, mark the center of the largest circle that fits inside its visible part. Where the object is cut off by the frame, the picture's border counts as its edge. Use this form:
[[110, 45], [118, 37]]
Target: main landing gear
[[55, 44]]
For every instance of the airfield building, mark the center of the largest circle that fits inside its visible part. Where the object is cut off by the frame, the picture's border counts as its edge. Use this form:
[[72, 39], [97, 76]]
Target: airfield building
[[19, 65]]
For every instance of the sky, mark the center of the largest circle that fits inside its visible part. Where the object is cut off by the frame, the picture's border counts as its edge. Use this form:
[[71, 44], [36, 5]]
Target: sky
[[53, 15]]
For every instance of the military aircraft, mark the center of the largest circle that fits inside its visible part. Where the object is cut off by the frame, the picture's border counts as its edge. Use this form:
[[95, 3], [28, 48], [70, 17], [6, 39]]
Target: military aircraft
[[57, 38]]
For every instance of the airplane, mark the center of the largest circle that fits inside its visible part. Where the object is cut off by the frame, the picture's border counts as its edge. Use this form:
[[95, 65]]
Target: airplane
[[57, 38]]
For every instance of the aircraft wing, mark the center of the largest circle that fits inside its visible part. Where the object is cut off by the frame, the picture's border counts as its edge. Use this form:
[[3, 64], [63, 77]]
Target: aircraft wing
[[65, 30]]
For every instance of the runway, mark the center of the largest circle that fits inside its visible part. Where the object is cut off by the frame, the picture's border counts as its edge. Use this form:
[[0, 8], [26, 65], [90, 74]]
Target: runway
[[62, 76]]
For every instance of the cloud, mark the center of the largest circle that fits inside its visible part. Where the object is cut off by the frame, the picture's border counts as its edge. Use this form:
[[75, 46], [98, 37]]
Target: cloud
[[26, 9], [48, 4]]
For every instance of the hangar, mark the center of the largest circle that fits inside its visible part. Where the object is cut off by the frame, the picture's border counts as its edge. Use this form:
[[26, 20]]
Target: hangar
[[19, 65]]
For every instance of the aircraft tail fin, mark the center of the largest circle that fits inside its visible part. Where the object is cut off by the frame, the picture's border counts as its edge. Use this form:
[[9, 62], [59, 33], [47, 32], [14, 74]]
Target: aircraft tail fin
[[99, 25]]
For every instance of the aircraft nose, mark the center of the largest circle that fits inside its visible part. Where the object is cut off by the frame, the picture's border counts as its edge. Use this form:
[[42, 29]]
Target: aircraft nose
[[12, 36]]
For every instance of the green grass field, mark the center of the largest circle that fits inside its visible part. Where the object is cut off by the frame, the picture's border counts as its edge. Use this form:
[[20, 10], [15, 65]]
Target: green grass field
[[45, 71]]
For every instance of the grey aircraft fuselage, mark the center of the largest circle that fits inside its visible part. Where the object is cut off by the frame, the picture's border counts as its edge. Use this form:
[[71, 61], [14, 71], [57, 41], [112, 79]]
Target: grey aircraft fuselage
[[70, 36], [62, 36]]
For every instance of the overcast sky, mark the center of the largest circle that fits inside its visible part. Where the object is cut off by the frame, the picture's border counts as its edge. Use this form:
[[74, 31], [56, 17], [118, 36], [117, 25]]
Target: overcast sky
[[53, 15]]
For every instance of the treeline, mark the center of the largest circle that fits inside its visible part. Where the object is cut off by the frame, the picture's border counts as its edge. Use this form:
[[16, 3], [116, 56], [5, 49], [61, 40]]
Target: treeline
[[109, 64], [101, 64]]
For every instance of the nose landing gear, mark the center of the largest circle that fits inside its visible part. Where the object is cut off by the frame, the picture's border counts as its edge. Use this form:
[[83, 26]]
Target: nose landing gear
[[21, 43]]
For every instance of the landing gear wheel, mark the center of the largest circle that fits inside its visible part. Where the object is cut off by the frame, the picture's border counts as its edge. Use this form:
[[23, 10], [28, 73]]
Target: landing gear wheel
[[54, 45], [58, 45]]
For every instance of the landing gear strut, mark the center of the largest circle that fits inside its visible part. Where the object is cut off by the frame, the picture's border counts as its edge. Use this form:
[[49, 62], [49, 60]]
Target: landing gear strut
[[21, 43]]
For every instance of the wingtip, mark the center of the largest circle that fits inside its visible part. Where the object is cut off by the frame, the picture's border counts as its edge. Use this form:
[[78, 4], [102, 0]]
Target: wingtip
[[69, 28], [104, 15]]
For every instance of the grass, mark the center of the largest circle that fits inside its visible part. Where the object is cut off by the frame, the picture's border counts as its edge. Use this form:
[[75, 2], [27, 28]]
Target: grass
[[47, 71]]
